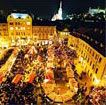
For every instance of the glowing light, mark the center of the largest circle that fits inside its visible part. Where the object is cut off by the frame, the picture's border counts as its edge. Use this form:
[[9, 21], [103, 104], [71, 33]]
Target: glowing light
[[46, 80], [16, 28], [96, 81], [11, 28], [28, 23], [21, 28], [19, 15]]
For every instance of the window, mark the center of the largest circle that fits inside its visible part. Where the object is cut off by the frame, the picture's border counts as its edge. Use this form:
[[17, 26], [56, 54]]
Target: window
[[18, 23], [88, 60], [92, 53], [21, 28], [16, 28], [4, 29], [93, 66], [28, 23], [93, 79], [91, 75], [90, 63], [96, 70], [86, 57], [85, 47], [11, 23], [11, 28], [100, 59], [96, 56], [4, 25], [16, 33]]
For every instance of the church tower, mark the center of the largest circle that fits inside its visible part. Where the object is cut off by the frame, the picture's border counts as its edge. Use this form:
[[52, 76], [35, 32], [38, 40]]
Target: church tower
[[58, 16], [60, 11]]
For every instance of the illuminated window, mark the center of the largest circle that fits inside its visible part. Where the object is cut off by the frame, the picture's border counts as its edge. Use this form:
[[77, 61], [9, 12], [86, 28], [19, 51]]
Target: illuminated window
[[11, 28], [28, 23], [16, 28], [21, 28]]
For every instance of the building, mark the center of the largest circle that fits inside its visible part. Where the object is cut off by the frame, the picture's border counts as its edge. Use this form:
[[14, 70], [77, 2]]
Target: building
[[19, 31], [44, 34], [89, 59], [58, 16], [93, 11], [4, 35], [3, 29], [63, 35], [19, 28]]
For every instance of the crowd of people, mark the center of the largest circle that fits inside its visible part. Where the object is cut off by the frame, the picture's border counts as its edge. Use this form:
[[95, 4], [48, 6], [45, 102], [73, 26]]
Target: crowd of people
[[97, 96], [24, 93]]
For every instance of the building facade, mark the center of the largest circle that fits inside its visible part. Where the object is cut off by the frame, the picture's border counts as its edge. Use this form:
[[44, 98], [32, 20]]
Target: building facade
[[4, 42], [44, 34], [19, 31], [19, 28], [92, 62]]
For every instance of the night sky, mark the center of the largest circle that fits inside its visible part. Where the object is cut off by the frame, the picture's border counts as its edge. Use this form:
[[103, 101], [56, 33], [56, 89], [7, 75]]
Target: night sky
[[46, 8]]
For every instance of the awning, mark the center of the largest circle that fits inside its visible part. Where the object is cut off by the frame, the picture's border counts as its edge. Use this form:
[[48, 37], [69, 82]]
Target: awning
[[30, 78], [17, 78]]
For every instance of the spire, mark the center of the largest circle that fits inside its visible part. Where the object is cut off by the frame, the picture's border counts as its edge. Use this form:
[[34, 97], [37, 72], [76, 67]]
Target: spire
[[58, 16], [60, 4]]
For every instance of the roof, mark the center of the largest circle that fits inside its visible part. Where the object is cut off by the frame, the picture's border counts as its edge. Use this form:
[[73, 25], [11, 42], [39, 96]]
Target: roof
[[19, 15], [43, 23], [97, 43], [66, 30]]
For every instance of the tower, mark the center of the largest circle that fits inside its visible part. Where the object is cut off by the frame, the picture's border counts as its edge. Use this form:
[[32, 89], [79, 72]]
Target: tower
[[60, 11], [58, 16]]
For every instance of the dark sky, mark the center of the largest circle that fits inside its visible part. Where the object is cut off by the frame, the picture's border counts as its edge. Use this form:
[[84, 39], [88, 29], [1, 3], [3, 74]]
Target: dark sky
[[46, 8]]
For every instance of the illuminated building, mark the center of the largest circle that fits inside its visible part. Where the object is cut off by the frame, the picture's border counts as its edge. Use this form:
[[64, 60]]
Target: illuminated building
[[19, 31], [92, 61], [58, 16], [44, 34], [63, 35], [19, 28], [95, 11], [3, 30], [4, 42]]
